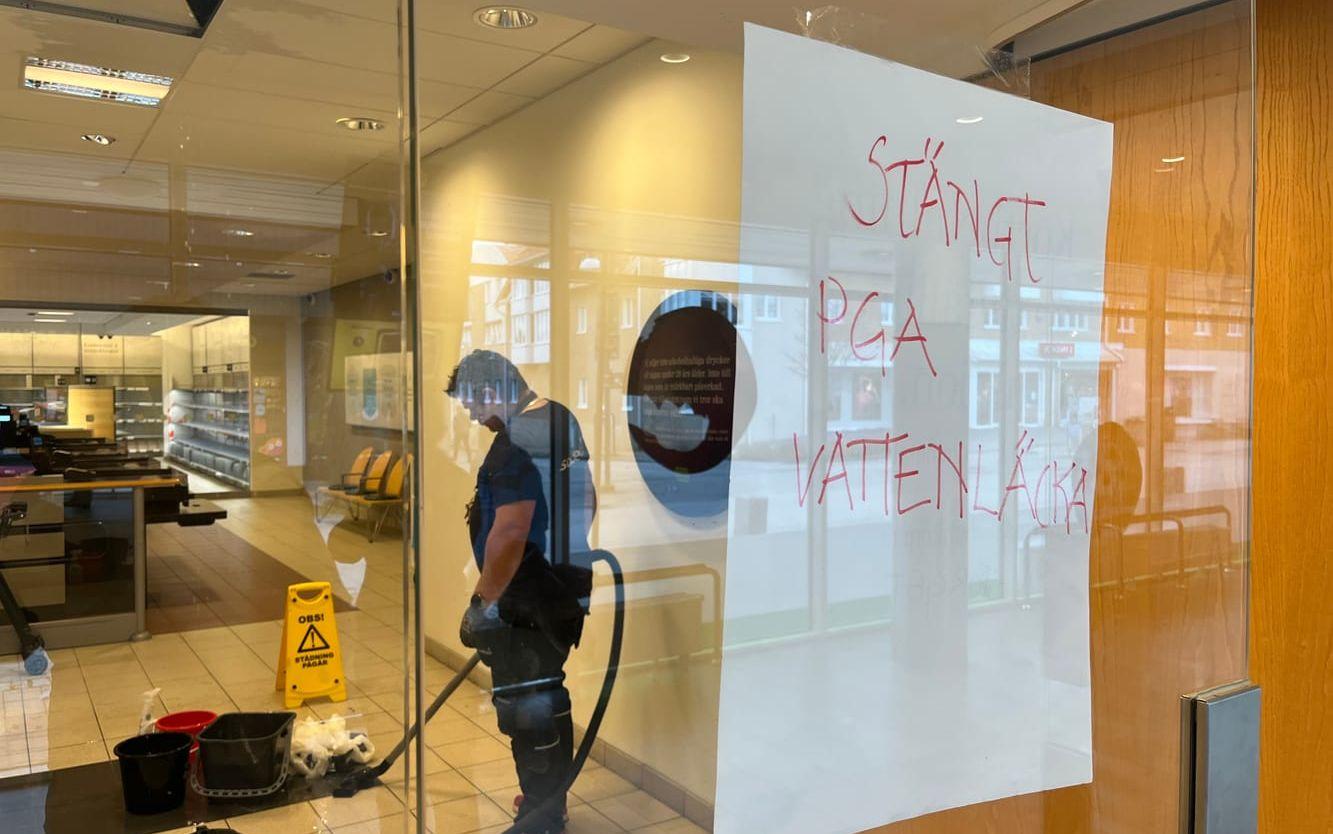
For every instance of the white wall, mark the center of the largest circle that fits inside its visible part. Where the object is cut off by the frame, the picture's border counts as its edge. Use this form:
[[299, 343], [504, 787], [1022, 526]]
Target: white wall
[[639, 158]]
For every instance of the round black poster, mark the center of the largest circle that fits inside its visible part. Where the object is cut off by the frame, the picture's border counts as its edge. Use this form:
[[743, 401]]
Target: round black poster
[[682, 396]]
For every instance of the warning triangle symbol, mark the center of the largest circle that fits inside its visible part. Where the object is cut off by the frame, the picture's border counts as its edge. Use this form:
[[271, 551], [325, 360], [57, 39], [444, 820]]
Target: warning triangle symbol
[[313, 641]]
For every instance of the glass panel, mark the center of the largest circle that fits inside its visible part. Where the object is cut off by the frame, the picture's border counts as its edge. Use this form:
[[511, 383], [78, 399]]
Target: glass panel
[[608, 367], [205, 285]]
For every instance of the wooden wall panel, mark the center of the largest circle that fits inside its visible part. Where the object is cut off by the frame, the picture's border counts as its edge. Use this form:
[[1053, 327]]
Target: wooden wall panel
[[1292, 614]]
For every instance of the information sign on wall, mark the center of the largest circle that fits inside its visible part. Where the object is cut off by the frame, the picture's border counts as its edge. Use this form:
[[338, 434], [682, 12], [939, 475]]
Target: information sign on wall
[[906, 625]]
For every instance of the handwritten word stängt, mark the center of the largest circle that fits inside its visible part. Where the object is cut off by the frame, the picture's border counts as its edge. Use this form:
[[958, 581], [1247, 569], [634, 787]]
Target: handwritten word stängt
[[931, 207]]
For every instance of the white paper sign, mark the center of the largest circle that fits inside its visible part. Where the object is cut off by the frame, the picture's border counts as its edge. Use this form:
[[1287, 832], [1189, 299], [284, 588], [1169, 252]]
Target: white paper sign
[[907, 569]]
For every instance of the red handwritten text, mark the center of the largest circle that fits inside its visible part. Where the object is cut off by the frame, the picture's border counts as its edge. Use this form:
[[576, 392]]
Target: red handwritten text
[[1056, 498], [923, 191]]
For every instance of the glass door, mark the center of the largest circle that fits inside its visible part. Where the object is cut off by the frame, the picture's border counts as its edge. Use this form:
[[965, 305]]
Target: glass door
[[890, 378]]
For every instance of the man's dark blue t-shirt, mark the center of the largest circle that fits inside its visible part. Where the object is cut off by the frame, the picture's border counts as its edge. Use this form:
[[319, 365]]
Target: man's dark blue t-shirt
[[518, 467]]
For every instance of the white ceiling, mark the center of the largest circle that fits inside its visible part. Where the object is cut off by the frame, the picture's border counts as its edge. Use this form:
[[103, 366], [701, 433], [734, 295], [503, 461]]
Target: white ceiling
[[92, 322], [247, 137], [262, 89]]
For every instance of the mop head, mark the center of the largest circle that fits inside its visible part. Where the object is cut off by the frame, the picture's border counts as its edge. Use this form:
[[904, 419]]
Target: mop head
[[37, 662], [356, 782]]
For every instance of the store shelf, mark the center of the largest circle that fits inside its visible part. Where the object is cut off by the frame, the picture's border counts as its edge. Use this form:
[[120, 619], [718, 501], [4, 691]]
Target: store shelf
[[207, 470], [205, 407], [211, 427], [219, 449], [213, 390]]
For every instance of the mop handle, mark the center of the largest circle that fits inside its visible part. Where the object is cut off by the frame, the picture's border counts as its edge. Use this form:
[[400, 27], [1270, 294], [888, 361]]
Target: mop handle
[[448, 690]]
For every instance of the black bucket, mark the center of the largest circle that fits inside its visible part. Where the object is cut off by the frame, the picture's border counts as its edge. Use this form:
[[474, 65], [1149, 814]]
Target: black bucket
[[152, 771], [245, 751]]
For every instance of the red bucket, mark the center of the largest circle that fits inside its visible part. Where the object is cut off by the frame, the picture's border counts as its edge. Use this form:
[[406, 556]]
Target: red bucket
[[191, 722]]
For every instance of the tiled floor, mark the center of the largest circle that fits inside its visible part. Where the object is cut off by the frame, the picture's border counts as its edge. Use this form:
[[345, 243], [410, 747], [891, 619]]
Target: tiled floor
[[93, 696], [199, 577]]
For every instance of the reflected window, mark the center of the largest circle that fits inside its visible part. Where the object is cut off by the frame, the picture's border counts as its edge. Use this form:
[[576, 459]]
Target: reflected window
[[770, 308], [866, 398], [1203, 327], [541, 326], [1189, 395], [886, 313], [992, 319], [983, 396], [1125, 324], [495, 333], [583, 393], [1235, 328], [1032, 390], [627, 312], [1023, 320], [1066, 320], [521, 331], [581, 320]]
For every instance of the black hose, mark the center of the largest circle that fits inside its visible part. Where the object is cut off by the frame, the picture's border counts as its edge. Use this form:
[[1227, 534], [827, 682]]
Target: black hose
[[531, 817]]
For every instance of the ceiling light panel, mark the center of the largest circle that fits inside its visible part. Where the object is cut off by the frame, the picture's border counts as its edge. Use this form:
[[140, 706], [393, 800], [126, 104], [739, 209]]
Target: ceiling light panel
[[67, 78]]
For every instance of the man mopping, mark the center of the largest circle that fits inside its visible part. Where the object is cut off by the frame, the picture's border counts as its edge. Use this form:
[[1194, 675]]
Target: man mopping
[[528, 522]]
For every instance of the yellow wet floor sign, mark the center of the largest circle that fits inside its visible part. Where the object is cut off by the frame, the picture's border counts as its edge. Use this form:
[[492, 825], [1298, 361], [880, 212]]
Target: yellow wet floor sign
[[310, 661]]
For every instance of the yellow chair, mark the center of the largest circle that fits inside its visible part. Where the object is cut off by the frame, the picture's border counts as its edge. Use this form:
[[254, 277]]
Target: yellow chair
[[350, 481], [373, 482], [389, 500]]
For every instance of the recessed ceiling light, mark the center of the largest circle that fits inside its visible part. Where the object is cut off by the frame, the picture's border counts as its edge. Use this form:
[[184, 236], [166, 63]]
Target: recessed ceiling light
[[1171, 160], [505, 17], [53, 321], [238, 232], [190, 264], [360, 123], [319, 254], [52, 313], [969, 120], [98, 138], [1162, 170], [67, 78], [379, 233], [675, 58]]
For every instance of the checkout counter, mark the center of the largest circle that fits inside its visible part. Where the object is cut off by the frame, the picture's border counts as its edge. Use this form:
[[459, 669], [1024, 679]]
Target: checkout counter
[[76, 558]]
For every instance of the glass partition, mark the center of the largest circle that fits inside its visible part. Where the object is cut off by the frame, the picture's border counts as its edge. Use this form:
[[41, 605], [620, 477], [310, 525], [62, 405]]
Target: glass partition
[[981, 509], [201, 257]]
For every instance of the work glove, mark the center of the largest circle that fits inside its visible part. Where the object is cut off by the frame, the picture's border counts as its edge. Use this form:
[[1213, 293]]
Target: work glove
[[481, 626]]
